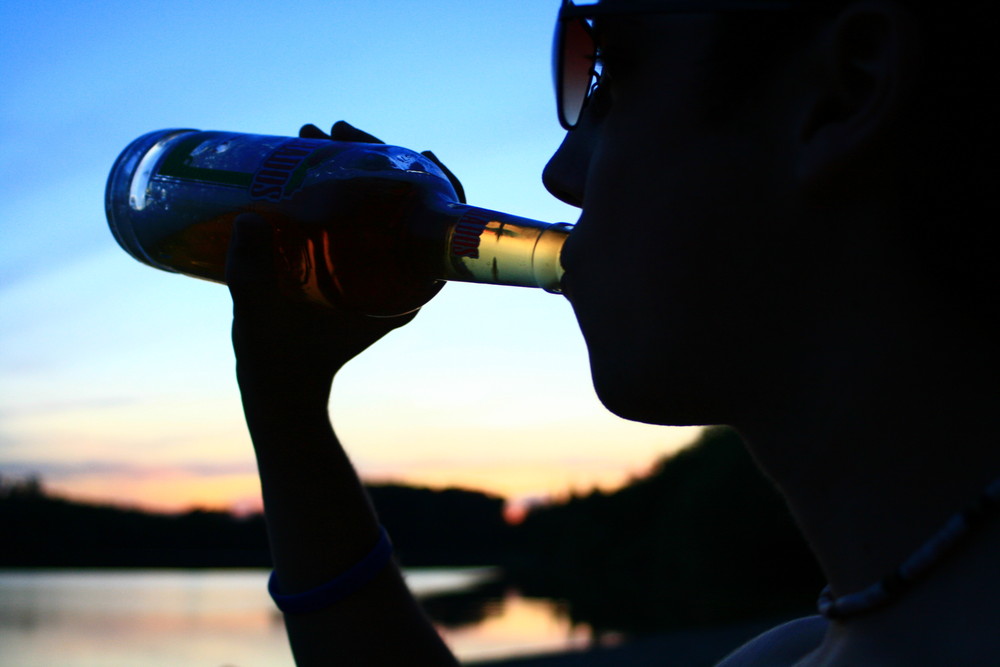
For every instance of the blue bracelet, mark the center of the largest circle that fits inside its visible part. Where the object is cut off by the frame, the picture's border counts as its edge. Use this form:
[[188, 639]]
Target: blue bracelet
[[339, 588]]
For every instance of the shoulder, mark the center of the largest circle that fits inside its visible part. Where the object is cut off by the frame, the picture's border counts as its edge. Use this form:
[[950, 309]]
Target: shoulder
[[785, 644]]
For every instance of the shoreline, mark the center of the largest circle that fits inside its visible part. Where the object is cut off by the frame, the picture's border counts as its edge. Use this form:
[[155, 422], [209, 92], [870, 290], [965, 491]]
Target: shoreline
[[687, 647]]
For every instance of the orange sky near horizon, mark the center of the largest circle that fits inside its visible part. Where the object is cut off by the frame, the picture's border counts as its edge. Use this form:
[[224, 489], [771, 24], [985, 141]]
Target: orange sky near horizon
[[236, 487]]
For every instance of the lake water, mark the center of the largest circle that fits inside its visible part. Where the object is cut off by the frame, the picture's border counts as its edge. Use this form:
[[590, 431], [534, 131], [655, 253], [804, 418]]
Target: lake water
[[224, 618]]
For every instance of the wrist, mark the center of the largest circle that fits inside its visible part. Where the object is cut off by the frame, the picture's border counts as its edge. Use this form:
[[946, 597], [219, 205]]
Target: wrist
[[332, 591], [281, 403], [284, 383]]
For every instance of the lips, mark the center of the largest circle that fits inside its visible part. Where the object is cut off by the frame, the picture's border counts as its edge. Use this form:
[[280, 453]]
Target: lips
[[564, 280], [565, 288], [566, 261]]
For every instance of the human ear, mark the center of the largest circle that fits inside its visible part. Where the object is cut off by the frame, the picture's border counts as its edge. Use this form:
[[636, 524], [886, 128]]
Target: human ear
[[865, 61]]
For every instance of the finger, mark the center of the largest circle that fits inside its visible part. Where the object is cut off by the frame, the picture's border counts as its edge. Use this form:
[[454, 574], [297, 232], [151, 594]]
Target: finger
[[250, 259], [310, 131], [455, 183], [344, 131]]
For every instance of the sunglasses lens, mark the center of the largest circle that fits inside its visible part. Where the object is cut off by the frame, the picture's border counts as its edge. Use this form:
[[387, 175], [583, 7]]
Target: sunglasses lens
[[576, 63]]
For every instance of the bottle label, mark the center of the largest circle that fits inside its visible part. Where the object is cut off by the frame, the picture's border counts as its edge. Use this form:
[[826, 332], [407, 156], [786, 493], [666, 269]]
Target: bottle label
[[221, 158], [190, 161], [468, 233]]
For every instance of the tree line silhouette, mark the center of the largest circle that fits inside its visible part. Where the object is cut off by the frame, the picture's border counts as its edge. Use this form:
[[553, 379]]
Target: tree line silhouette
[[704, 538], [445, 528]]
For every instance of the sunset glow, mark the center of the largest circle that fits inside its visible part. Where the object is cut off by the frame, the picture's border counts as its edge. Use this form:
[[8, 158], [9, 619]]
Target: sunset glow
[[116, 380]]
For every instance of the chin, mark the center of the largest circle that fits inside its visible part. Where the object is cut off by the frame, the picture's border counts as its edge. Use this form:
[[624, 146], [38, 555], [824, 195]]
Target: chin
[[645, 396]]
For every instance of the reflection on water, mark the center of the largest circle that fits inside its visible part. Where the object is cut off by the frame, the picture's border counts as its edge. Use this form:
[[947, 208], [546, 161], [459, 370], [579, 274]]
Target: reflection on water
[[138, 618], [490, 621], [518, 626], [217, 618]]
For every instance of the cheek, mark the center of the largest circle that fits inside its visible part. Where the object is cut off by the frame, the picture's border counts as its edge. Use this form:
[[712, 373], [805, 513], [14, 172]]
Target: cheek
[[657, 305], [622, 363], [618, 301]]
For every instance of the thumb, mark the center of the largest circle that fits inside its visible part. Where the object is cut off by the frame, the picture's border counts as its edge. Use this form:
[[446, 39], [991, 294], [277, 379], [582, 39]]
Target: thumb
[[250, 258]]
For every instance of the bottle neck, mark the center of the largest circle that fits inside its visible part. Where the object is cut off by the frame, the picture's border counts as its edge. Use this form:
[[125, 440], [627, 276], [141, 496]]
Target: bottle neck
[[484, 246]]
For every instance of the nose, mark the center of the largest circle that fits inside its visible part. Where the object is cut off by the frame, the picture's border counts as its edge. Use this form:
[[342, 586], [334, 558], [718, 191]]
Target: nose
[[566, 173]]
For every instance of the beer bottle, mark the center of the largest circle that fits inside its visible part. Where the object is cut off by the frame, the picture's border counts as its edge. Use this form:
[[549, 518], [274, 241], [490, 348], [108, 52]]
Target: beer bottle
[[362, 226]]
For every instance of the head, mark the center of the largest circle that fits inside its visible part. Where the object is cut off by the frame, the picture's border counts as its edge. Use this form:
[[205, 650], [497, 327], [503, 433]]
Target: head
[[765, 194]]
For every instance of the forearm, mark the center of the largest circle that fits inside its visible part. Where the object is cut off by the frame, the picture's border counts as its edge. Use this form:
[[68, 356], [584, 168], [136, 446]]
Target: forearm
[[320, 523]]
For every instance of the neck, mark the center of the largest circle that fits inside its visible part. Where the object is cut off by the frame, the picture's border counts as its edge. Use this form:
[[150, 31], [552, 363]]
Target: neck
[[880, 427], [948, 618], [863, 521], [894, 448], [871, 486]]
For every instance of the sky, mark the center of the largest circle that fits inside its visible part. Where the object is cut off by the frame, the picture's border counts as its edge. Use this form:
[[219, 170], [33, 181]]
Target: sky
[[116, 380]]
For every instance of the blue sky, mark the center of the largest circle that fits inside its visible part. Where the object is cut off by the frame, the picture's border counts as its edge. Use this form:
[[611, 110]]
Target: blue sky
[[116, 380]]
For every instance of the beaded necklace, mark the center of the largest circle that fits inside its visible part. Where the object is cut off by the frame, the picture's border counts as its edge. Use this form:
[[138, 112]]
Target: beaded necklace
[[897, 582]]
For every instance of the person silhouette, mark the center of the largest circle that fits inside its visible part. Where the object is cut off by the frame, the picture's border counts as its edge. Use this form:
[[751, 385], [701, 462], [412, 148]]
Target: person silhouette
[[782, 229]]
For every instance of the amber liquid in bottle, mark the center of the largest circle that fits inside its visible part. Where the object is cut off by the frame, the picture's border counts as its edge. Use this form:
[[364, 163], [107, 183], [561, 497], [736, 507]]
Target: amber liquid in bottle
[[370, 228]]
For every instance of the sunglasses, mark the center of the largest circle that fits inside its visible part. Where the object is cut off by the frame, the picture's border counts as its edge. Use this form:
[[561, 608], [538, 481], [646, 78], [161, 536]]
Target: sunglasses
[[576, 68]]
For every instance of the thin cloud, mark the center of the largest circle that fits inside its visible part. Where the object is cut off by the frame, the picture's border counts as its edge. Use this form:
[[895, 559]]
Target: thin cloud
[[61, 472], [58, 407]]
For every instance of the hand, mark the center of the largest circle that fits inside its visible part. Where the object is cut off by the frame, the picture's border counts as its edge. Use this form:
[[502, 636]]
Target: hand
[[343, 131], [288, 349]]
